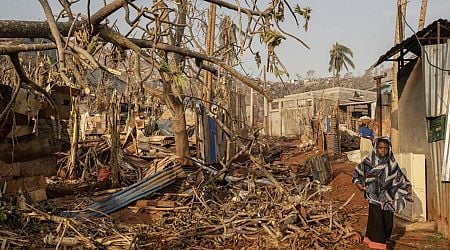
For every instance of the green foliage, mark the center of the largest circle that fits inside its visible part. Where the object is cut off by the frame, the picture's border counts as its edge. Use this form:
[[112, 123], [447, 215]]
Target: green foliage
[[279, 13], [165, 67], [273, 38], [180, 80], [305, 13], [92, 45], [340, 57]]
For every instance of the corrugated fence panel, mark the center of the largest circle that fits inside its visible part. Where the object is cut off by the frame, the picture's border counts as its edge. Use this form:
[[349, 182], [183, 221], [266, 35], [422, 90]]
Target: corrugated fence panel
[[436, 60], [446, 157]]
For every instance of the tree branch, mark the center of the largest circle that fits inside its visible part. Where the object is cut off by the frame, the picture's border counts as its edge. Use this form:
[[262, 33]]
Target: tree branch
[[238, 8], [107, 10], [38, 29], [16, 48], [10, 103], [252, 83], [24, 78]]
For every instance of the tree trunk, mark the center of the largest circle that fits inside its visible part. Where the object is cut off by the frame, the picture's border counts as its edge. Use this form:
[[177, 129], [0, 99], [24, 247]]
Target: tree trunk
[[209, 83], [74, 128], [334, 77], [179, 129], [423, 13]]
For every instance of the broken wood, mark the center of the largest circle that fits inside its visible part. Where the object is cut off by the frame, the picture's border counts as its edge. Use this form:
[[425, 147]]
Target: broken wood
[[153, 203]]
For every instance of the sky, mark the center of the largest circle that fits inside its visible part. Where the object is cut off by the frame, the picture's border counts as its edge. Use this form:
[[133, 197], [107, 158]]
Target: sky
[[365, 26]]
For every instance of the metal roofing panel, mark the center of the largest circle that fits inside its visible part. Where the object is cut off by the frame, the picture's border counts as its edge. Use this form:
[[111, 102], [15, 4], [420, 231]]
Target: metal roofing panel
[[436, 63], [437, 82], [426, 36]]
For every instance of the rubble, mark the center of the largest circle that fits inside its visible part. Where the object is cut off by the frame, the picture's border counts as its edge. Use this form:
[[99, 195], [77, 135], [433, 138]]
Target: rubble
[[254, 200], [263, 206]]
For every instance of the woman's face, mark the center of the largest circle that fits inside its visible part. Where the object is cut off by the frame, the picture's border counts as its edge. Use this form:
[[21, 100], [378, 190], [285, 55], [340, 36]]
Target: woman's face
[[382, 149]]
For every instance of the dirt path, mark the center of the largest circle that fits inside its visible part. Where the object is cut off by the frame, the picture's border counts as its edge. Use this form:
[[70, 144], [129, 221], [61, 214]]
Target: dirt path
[[342, 189]]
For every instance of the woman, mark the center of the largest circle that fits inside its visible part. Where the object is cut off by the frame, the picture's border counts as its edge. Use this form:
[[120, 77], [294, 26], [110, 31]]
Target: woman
[[385, 187]]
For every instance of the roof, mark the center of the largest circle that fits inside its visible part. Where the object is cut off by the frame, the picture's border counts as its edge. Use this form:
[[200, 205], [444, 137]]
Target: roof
[[427, 36]]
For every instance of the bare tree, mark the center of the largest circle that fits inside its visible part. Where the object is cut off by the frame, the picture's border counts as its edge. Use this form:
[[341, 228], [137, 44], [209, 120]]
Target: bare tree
[[166, 40]]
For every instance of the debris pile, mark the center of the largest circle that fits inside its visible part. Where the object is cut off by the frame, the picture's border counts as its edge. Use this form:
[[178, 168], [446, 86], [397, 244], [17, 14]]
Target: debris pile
[[254, 206]]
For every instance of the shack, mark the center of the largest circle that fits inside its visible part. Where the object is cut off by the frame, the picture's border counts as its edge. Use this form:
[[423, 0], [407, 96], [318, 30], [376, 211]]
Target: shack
[[292, 114], [424, 94]]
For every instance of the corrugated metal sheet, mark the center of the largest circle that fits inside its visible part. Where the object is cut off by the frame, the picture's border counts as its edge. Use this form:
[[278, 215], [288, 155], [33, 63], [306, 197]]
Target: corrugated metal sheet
[[446, 160], [441, 212], [437, 92], [435, 58]]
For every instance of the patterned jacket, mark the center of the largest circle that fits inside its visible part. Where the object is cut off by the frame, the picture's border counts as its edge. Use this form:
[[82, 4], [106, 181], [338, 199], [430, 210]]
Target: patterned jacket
[[385, 183]]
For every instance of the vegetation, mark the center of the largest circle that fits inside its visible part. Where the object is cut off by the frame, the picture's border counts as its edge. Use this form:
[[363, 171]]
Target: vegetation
[[170, 42], [340, 57]]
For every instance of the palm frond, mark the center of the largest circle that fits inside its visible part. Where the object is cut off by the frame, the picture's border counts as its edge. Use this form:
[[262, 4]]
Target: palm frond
[[340, 57], [349, 61]]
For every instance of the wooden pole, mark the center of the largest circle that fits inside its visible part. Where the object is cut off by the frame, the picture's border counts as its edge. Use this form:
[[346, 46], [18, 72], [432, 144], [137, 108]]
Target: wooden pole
[[266, 105], [399, 34], [74, 120], [251, 109], [423, 13], [115, 143], [208, 82], [379, 110]]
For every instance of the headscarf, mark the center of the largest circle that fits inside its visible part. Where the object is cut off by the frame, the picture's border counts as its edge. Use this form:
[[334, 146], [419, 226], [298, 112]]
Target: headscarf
[[385, 183]]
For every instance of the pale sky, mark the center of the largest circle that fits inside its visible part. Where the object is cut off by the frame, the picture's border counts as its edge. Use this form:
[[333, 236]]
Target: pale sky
[[365, 26]]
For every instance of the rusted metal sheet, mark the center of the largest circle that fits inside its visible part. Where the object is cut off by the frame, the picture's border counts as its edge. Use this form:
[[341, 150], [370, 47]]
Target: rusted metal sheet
[[321, 168]]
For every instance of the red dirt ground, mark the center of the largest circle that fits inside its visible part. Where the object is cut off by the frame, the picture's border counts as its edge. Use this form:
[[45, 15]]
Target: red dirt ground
[[342, 189]]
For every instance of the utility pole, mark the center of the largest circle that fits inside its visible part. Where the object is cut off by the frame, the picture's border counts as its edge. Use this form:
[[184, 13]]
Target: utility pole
[[423, 14], [379, 110], [399, 35]]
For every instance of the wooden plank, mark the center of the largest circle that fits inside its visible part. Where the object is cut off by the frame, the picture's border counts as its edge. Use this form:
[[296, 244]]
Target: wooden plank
[[153, 203], [38, 195]]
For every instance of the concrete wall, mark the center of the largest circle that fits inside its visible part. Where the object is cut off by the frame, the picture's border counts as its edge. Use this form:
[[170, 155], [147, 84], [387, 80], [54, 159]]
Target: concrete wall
[[412, 120], [413, 129]]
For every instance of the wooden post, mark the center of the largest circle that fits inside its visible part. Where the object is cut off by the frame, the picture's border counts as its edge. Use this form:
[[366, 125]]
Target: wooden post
[[280, 107], [251, 109], [379, 110], [208, 82], [399, 34], [423, 13], [74, 129], [266, 105], [115, 143]]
